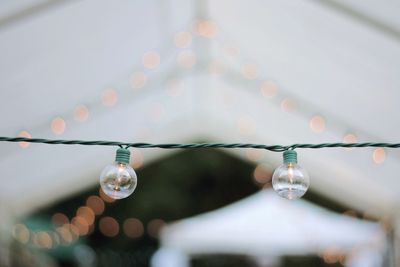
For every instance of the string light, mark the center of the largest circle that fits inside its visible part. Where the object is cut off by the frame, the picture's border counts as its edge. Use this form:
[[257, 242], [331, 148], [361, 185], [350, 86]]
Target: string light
[[290, 180], [119, 180]]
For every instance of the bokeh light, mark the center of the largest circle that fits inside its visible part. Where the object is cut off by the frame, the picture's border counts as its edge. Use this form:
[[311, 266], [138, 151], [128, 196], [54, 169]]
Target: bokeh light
[[27, 135], [96, 204], [133, 228], [317, 124], [288, 105], [263, 173], [206, 28], [154, 227], [58, 125], [108, 226], [269, 89], [43, 240], [59, 219], [379, 155], [250, 71], [81, 113], [151, 60], [137, 159], [86, 213], [105, 197], [81, 224], [331, 255], [183, 39], [138, 80], [350, 138], [109, 97], [21, 233], [68, 233]]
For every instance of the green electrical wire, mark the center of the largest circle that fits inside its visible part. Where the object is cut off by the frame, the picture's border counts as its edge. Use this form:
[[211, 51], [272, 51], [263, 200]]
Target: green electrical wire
[[274, 148]]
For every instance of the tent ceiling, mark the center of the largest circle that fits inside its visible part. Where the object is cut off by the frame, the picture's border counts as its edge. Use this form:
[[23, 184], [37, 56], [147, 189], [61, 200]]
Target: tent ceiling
[[328, 62]]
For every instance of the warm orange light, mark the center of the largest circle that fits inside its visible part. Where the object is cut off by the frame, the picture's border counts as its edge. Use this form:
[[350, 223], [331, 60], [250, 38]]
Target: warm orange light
[[317, 124], [86, 213], [250, 71], [288, 105], [133, 228], [151, 60], [108, 226], [81, 224], [154, 227], [81, 113], [206, 28], [183, 39], [262, 173], [138, 159], [109, 97], [96, 204], [58, 125], [269, 89], [43, 240], [21, 233], [331, 255], [56, 238], [349, 138], [105, 197], [68, 233], [186, 59], [27, 135], [379, 155], [59, 219], [138, 80]]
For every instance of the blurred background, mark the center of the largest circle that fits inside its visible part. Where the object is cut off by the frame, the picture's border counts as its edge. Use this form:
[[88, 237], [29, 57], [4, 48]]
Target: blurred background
[[268, 72]]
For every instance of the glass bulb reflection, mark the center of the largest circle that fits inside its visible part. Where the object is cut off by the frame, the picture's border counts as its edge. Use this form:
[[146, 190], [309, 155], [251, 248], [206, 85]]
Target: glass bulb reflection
[[118, 180], [290, 181]]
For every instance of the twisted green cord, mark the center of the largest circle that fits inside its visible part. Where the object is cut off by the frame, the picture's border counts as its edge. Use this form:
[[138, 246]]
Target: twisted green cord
[[274, 148]]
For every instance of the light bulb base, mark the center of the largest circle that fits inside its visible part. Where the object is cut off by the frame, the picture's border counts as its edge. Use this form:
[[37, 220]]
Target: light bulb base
[[123, 155], [289, 156]]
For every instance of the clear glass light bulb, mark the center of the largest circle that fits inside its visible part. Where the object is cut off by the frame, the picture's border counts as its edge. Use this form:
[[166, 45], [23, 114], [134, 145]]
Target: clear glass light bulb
[[290, 180], [119, 180]]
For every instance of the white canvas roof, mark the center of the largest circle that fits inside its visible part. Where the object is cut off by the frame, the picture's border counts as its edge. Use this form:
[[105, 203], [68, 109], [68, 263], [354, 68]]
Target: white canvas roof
[[265, 224], [339, 60]]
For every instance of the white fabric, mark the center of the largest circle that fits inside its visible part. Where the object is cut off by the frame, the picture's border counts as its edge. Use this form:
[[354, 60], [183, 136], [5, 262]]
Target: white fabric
[[169, 258], [265, 224]]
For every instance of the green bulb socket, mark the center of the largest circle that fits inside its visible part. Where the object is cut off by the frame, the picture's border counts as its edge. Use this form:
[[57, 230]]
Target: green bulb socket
[[289, 156], [123, 155]]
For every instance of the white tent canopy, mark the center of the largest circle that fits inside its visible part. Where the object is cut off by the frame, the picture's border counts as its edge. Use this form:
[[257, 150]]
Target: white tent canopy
[[333, 58], [324, 60], [266, 225]]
